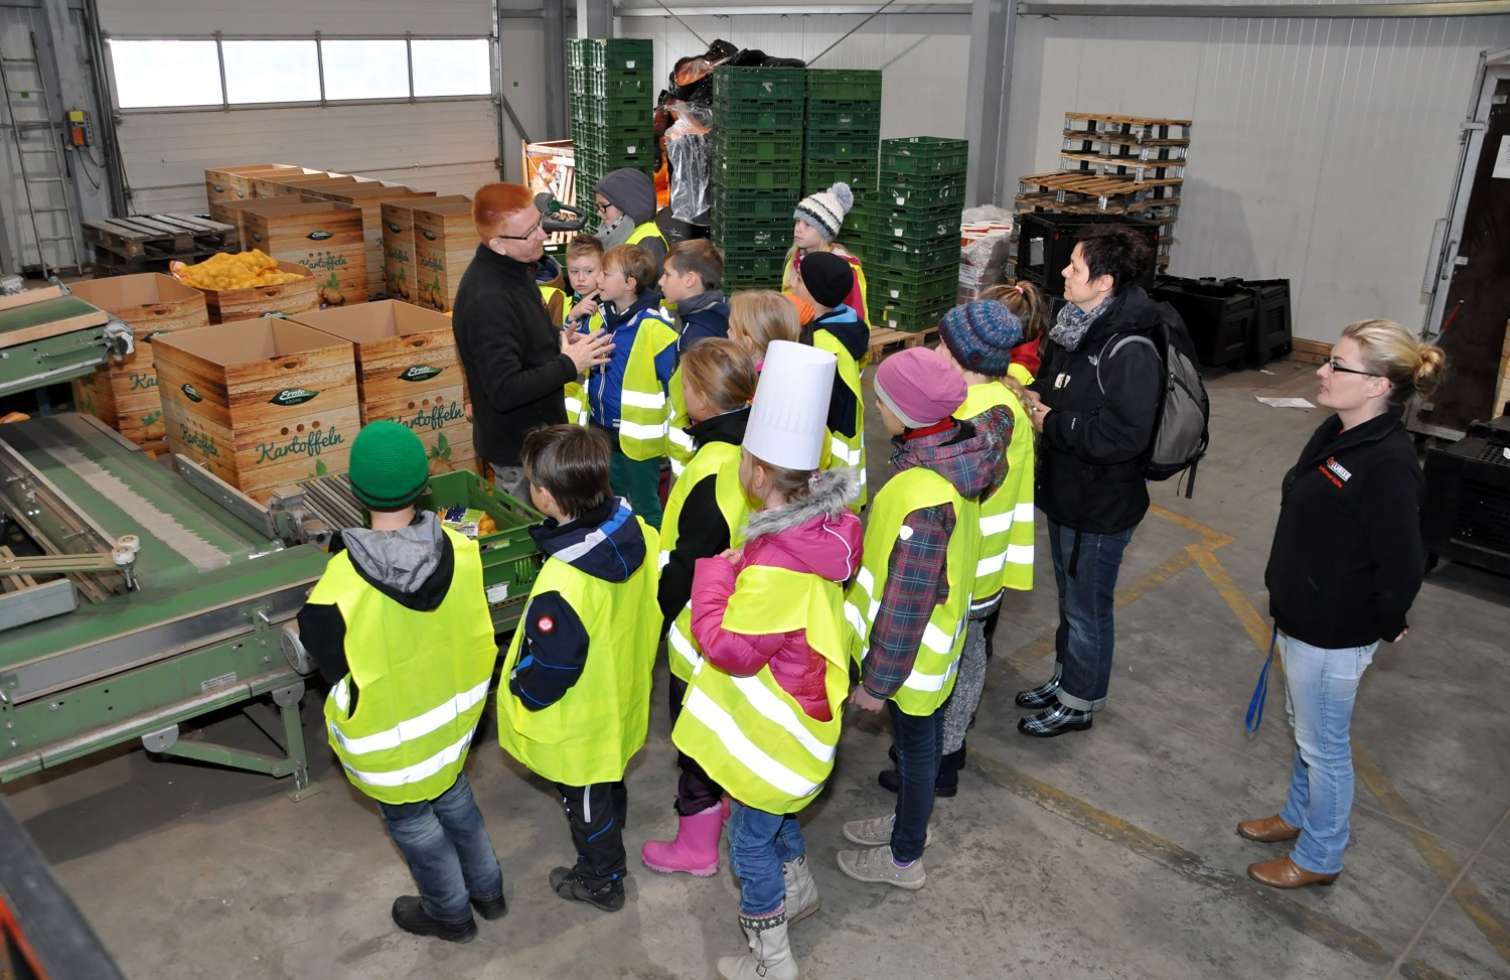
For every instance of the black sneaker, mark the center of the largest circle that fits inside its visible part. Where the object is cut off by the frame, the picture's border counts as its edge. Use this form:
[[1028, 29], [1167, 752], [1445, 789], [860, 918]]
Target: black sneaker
[[1038, 697], [1055, 721], [571, 886], [410, 916], [493, 909]]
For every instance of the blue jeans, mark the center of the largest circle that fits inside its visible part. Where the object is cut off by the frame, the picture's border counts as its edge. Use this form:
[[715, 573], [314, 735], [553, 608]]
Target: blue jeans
[[1086, 639], [920, 747], [1320, 686], [448, 850], [759, 844]]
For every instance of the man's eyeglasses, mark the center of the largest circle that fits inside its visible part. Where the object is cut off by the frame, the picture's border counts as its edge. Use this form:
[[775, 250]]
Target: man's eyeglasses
[[524, 237], [1337, 367]]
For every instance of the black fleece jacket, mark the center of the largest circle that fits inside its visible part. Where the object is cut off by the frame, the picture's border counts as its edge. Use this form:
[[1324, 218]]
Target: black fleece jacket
[[701, 531], [511, 354], [1090, 469], [1348, 558]]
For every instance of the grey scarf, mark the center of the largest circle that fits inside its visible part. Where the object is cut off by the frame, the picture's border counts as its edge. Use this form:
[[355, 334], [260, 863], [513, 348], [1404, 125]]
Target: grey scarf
[[1073, 323]]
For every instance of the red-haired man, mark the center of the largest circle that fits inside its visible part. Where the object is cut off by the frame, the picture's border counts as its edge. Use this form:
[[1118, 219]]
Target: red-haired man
[[516, 361]]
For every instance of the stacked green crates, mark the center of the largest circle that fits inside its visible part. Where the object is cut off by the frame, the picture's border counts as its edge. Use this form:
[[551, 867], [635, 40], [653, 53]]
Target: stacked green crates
[[610, 88], [912, 251], [843, 136], [757, 170]]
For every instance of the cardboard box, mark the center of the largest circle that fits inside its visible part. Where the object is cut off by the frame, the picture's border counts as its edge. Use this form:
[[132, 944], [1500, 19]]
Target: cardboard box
[[235, 183], [370, 198], [407, 371], [400, 275], [123, 393], [251, 302], [445, 240], [323, 237], [262, 406]]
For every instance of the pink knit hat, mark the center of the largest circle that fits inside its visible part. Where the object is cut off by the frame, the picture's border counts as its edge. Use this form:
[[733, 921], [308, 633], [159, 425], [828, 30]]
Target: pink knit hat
[[919, 386]]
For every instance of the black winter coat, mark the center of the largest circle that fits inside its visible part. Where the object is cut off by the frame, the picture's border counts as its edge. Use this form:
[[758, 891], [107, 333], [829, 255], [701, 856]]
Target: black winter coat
[[702, 531], [1090, 466], [511, 354], [1348, 558]]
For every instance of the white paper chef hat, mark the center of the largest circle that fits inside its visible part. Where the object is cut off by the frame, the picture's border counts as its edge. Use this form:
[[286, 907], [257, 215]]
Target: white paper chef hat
[[789, 417]]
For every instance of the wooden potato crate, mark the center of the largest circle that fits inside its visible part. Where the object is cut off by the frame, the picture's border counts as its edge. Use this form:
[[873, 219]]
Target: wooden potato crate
[[262, 406], [123, 394], [407, 371], [325, 238], [251, 302], [370, 198], [399, 271], [445, 239], [272, 184], [234, 213], [235, 183]]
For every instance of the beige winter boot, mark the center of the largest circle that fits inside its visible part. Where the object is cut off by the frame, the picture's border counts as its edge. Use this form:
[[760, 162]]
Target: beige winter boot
[[801, 890], [770, 955]]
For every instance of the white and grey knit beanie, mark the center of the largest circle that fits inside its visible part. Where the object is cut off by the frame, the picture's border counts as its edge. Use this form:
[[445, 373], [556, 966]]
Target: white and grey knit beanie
[[825, 210]]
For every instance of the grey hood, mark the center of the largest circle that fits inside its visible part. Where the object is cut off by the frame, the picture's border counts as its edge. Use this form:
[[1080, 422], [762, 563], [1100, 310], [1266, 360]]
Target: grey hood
[[413, 565]]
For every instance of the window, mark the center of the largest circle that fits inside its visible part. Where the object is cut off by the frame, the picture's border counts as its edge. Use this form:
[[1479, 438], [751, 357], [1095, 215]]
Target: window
[[452, 67], [187, 73], [365, 69], [271, 71], [152, 74]]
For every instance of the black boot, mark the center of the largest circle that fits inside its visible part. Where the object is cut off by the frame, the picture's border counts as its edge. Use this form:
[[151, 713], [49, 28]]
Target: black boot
[[571, 886], [1054, 721], [410, 915], [491, 910], [947, 783]]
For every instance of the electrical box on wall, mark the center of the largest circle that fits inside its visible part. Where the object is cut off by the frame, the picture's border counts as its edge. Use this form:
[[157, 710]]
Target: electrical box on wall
[[80, 129]]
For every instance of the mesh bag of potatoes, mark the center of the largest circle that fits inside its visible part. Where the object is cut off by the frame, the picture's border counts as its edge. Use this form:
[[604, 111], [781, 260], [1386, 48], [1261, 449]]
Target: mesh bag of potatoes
[[233, 270]]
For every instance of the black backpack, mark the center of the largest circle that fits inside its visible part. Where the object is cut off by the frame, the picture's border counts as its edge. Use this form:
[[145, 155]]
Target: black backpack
[[1181, 429]]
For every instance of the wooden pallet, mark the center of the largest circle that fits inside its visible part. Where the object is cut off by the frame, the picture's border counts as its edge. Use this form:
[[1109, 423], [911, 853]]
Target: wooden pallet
[[1140, 127], [1105, 193], [1310, 351], [158, 236], [1171, 146], [1141, 171], [884, 340]]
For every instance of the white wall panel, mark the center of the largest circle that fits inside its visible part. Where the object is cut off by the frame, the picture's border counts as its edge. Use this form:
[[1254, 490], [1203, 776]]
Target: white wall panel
[[1322, 150], [175, 17], [448, 147]]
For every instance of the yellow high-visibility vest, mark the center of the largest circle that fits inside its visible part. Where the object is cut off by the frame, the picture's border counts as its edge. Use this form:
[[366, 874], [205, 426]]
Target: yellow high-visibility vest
[[1006, 558], [842, 450]]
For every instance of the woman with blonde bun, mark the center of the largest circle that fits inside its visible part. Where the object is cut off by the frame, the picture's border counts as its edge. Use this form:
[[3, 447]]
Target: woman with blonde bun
[[1346, 564]]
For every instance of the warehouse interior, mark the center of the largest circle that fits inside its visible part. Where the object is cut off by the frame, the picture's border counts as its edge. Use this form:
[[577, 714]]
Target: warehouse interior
[[172, 803]]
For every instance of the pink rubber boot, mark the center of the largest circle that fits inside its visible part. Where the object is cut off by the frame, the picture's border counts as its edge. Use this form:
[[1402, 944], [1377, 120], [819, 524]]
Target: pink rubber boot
[[695, 850]]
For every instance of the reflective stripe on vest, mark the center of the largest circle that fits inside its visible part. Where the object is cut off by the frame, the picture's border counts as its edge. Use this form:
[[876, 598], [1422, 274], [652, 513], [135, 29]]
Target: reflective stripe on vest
[[644, 230], [420, 678], [1006, 558], [842, 450], [933, 670], [577, 409], [679, 444], [590, 735], [749, 735], [719, 460], [643, 420]]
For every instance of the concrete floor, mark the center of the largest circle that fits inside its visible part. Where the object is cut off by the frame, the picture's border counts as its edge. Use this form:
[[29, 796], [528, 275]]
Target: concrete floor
[[1104, 854]]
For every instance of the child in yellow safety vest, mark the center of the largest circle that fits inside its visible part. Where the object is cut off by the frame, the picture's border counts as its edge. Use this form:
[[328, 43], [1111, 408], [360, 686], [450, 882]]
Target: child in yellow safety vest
[[584, 270], [759, 316], [823, 279], [910, 602], [977, 341], [574, 700], [770, 669], [627, 397], [400, 629], [690, 279], [818, 220], [705, 515]]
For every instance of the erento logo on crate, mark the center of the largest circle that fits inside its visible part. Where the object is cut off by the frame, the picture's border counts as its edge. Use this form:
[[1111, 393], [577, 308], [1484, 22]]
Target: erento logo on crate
[[292, 396], [419, 372]]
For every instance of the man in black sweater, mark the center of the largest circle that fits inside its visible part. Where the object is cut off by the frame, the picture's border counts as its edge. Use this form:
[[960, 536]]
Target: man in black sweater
[[1095, 404], [516, 362]]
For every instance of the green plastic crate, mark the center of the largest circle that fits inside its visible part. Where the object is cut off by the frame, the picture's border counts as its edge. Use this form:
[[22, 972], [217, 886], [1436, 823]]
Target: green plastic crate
[[613, 115], [837, 149], [619, 53], [762, 117], [835, 117], [770, 175], [911, 226], [755, 204], [888, 286], [906, 257], [510, 558], [759, 267], [741, 86], [750, 147], [843, 85], [906, 191], [620, 87], [924, 155]]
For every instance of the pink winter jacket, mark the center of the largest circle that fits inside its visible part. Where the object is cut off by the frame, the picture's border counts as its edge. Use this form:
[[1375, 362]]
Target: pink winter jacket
[[819, 535]]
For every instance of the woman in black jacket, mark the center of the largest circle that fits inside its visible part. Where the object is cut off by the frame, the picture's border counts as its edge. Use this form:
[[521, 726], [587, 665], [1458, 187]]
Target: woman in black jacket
[[1346, 565]]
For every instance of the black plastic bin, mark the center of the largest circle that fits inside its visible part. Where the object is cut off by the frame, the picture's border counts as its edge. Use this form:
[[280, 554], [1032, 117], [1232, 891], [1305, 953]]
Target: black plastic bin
[[1220, 314], [1057, 233], [1271, 328]]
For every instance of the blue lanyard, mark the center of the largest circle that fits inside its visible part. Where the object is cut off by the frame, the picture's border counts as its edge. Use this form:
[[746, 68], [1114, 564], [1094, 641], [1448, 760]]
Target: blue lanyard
[[1255, 716]]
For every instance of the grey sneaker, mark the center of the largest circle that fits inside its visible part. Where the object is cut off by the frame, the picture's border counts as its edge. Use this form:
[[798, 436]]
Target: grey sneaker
[[876, 865], [877, 831]]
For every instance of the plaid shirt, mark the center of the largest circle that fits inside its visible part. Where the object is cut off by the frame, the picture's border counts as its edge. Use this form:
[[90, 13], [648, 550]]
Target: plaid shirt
[[917, 576]]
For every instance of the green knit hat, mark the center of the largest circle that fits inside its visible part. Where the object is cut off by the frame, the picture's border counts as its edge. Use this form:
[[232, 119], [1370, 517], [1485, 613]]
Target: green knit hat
[[389, 468]]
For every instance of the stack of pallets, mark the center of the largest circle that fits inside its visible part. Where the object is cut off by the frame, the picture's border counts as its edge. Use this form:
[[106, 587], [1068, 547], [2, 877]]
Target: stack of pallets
[[148, 242]]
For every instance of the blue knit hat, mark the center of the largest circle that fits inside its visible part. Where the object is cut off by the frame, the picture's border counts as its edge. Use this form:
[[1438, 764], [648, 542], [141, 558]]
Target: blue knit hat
[[981, 336]]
